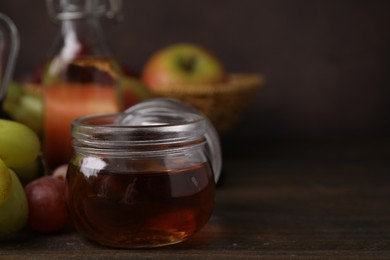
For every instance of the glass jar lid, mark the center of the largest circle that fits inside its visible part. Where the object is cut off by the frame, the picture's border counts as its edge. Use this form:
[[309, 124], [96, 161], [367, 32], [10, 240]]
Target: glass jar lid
[[170, 105]]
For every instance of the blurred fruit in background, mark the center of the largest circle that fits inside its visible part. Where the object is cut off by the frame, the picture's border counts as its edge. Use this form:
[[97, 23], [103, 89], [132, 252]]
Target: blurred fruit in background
[[182, 64], [13, 202], [46, 198], [19, 147], [41, 203], [193, 74], [23, 101]]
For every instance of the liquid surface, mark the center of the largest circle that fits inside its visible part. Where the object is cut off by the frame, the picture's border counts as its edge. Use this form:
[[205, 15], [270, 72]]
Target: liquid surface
[[140, 209]]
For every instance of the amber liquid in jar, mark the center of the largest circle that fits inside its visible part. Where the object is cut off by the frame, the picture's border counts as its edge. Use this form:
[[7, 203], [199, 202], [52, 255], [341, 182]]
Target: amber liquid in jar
[[140, 209]]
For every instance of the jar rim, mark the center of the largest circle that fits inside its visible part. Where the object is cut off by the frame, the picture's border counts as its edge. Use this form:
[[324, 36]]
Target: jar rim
[[158, 128]]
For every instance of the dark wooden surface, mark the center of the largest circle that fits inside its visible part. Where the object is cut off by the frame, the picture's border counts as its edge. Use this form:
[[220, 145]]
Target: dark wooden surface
[[296, 201]]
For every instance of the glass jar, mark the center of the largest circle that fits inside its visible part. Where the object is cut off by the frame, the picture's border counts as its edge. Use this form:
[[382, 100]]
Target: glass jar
[[144, 182], [81, 76]]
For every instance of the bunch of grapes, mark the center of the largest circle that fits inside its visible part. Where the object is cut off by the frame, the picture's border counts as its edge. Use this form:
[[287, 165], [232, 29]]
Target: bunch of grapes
[[41, 204]]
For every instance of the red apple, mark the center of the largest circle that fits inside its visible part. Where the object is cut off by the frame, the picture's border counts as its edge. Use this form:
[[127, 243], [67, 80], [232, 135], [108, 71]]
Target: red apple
[[182, 64]]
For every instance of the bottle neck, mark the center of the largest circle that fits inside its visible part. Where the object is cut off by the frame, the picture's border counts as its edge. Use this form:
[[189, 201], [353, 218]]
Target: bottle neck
[[81, 38]]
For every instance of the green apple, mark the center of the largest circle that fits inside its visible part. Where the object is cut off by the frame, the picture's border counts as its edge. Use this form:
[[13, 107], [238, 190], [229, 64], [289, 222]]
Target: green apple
[[13, 202], [19, 145], [182, 64], [23, 103]]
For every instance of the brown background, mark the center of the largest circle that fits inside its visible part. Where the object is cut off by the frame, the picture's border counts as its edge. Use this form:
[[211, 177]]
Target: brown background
[[327, 62]]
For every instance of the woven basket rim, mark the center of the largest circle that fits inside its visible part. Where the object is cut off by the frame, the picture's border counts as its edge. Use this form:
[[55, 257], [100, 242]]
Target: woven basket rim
[[235, 82]]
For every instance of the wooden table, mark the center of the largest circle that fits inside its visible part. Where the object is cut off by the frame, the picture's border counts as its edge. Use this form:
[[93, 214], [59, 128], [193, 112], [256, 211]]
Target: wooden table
[[278, 201]]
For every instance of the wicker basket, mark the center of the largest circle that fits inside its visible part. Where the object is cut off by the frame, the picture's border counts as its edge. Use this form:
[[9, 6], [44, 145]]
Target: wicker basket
[[222, 103]]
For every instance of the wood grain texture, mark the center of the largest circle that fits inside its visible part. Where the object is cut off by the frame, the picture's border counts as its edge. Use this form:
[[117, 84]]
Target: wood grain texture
[[283, 202]]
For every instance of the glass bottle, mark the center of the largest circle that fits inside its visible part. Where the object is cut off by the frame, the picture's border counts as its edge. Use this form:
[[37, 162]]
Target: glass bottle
[[140, 179], [81, 76]]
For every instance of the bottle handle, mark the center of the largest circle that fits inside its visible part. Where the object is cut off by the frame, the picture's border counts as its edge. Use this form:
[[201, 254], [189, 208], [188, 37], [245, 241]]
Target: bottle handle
[[8, 35]]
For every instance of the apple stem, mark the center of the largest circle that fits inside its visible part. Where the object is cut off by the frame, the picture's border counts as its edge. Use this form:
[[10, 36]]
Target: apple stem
[[188, 63]]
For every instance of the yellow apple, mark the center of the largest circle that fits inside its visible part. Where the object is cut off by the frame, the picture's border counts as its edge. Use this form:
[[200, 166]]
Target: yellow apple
[[182, 64]]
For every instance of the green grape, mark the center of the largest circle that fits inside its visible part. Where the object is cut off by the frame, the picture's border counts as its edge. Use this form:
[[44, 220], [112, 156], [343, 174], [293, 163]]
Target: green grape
[[19, 145], [13, 202]]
